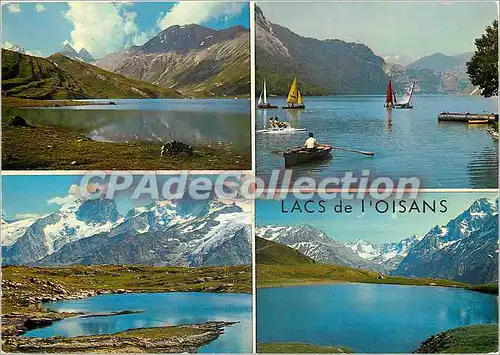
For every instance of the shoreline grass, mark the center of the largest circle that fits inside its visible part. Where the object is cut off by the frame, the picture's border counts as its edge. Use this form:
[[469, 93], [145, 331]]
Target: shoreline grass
[[52, 148], [323, 274], [132, 278], [300, 348]]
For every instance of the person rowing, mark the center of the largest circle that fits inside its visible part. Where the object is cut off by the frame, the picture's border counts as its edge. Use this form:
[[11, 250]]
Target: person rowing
[[311, 144]]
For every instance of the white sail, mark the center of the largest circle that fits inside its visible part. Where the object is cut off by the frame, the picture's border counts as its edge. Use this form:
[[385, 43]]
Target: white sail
[[265, 93], [260, 99], [406, 99]]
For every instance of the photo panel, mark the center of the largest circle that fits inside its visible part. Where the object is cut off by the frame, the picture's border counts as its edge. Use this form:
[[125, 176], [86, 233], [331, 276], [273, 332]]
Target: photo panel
[[391, 275], [399, 89], [125, 263], [126, 85]]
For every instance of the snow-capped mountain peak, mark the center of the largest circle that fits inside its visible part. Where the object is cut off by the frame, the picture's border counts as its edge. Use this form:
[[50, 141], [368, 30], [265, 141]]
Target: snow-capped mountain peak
[[90, 230]]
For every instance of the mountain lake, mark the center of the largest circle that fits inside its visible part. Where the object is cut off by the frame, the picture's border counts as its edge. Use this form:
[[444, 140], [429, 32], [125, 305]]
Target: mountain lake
[[406, 142], [368, 318], [199, 122], [159, 309]]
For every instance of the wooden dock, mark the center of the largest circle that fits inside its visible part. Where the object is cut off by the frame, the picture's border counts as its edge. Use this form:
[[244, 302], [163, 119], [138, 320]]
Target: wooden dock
[[467, 117]]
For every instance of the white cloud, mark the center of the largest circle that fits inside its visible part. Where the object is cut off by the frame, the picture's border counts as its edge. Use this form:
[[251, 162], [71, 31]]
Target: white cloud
[[14, 7], [26, 215], [186, 12], [40, 8], [61, 200], [100, 27], [75, 192]]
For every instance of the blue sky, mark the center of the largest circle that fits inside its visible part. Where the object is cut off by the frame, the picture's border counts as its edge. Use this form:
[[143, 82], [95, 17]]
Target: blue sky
[[371, 226], [25, 196], [408, 29], [103, 28]]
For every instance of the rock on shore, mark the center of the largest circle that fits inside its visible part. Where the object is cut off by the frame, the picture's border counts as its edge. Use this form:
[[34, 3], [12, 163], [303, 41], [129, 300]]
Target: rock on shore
[[171, 339]]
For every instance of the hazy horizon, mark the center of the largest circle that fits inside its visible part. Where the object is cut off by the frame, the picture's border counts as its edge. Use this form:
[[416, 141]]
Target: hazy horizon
[[410, 30]]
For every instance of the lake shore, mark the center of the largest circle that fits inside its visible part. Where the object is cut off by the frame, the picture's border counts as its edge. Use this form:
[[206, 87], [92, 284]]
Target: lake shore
[[26, 288], [169, 339], [14, 102], [300, 348], [471, 339], [53, 148], [317, 274]]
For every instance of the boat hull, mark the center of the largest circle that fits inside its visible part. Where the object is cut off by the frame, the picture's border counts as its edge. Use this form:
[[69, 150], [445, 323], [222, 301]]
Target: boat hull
[[403, 106], [300, 156], [266, 107], [295, 107], [478, 121], [282, 130], [465, 117]]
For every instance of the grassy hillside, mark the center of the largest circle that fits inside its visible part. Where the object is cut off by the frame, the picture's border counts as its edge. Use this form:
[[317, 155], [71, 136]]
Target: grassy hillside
[[279, 265], [59, 77], [464, 340], [108, 277], [268, 252], [300, 348]]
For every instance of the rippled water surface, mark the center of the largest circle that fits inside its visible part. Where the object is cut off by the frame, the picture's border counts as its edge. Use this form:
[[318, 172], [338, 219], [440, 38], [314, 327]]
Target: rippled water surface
[[160, 309], [207, 122], [406, 142], [368, 318]]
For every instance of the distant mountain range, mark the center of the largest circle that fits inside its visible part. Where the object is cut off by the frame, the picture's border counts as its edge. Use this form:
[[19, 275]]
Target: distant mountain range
[[465, 250], [60, 77], [191, 59], [334, 66], [91, 231], [387, 256], [328, 66], [439, 62], [82, 55], [436, 73], [315, 244]]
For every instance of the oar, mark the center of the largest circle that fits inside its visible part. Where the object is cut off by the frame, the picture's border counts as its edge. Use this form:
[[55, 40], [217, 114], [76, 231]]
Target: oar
[[280, 152], [355, 151]]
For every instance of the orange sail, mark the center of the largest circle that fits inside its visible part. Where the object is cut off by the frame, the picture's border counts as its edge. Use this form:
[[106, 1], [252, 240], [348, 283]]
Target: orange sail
[[388, 95]]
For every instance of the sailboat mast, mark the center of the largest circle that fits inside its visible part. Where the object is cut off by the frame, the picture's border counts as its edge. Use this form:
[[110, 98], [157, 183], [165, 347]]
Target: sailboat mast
[[389, 95], [265, 93], [411, 93]]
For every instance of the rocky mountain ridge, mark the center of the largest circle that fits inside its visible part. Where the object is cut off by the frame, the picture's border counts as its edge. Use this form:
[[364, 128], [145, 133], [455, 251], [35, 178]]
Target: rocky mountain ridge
[[465, 249], [162, 233], [83, 55], [192, 59]]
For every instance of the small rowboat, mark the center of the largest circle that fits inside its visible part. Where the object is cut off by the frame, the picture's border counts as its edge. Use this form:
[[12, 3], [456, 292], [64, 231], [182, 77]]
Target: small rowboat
[[281, 130], [296, 156]]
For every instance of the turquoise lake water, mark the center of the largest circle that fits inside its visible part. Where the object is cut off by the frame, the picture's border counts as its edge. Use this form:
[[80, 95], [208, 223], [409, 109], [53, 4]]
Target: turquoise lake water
[[407, 143], [207, 122], [160, 309], [367, 318]]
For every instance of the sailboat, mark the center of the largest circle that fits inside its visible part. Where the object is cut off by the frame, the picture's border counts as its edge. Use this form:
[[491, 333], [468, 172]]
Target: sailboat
[[390, 96], [406, 101], [294, 99], [263, 103]]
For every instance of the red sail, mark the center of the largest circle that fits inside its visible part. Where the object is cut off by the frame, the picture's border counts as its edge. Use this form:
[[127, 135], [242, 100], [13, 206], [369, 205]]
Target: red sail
[[388, 95]]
